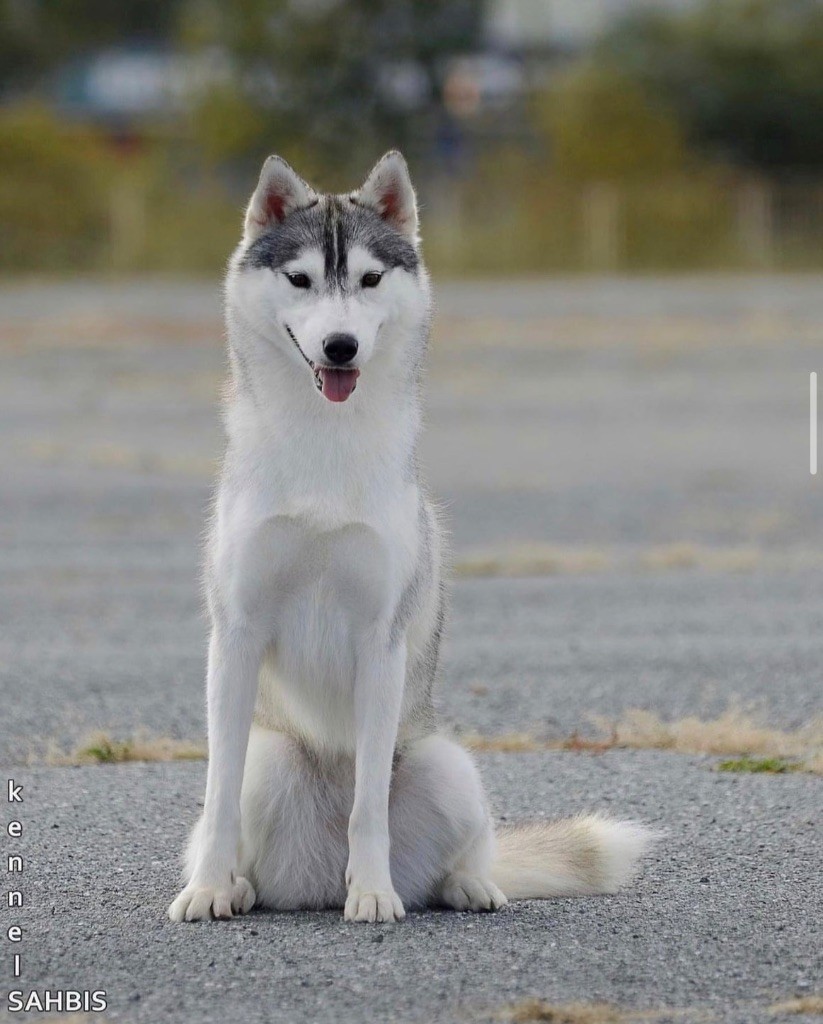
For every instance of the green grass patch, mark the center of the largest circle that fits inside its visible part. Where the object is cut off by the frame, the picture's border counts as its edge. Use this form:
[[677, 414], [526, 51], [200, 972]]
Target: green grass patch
[[101, 748], [769, 765]]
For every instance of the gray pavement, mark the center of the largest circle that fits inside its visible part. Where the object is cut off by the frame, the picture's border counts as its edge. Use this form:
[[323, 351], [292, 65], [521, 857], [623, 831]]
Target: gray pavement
[[721, 921], [630, 420], [119, 652]]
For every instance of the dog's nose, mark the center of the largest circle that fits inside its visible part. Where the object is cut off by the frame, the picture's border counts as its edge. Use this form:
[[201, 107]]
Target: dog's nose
[[340, 348]]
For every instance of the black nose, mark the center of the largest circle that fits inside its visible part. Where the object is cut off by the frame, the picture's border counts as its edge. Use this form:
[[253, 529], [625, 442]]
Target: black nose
[[340, 348]]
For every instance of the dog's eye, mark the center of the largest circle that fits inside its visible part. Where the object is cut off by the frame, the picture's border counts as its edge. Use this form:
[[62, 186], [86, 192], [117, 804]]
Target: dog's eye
[[299, 280], [371, 280]]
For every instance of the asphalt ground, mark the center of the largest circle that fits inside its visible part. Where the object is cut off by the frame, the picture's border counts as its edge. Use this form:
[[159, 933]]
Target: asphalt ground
[[720, 926], [636, 450]]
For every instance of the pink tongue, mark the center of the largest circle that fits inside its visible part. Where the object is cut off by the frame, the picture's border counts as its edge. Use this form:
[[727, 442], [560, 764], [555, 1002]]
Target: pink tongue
[[338, 384]]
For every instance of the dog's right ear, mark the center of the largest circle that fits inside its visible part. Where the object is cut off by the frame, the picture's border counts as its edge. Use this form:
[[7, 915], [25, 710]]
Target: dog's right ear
[[279, 192]]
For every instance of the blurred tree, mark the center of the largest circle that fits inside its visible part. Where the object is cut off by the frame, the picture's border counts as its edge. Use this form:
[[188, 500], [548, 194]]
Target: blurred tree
[[746, 76], [324, 81], [54, 189], [37, 35], [600, 126]]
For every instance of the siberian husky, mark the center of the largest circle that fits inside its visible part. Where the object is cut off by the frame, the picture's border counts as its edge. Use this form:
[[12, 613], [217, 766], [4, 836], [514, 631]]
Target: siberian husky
[[329, 784]]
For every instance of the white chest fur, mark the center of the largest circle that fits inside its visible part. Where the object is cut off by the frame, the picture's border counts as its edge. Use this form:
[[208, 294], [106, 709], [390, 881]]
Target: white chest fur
[[317, 577], [317, 532]]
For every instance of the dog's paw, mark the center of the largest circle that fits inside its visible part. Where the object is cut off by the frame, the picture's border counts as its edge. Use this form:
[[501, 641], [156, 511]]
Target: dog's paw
[[469, 892], [382, 905], [199, 903]]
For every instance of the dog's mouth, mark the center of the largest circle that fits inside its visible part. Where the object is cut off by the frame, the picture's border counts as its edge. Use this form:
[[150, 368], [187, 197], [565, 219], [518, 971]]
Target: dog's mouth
[[333, 383]]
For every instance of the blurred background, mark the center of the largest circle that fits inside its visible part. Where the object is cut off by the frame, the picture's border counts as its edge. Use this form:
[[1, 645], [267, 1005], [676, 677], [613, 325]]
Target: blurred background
[[623, 210], [545, 135]]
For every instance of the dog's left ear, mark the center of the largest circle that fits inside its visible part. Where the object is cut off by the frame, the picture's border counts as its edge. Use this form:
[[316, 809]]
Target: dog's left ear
[[389, 191]]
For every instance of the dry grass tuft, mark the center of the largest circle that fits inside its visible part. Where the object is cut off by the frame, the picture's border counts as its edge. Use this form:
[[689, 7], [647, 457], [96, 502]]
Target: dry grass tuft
[[506, 743], [533, 560], [531, 1011], [535, 1011], [76, 1018], [736, 732], [544, 560], [697, 556], [525, 743], [100, 748], [571, 1013], [805, 1004]]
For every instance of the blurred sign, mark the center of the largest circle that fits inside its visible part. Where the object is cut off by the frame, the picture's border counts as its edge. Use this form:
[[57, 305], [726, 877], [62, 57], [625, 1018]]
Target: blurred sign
[[127, 83], [533, 24]]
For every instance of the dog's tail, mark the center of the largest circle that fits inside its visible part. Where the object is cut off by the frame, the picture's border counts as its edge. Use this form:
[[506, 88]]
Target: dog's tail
[[577, 857]]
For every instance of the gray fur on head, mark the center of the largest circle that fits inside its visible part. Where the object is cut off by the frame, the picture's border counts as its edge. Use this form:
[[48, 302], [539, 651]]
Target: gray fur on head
[[286, 215]]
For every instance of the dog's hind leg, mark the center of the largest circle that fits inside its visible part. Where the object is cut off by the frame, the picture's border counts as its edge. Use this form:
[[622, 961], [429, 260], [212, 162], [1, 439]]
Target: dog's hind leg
[[294, 822], [442, 837], [295, 813]]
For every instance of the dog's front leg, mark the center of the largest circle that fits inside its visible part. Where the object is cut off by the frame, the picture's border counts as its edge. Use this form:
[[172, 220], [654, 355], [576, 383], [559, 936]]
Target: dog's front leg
[[214, 889], [379, 682]]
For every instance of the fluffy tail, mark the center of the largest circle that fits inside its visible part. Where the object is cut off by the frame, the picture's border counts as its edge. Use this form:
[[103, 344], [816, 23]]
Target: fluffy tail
[[577, 857]]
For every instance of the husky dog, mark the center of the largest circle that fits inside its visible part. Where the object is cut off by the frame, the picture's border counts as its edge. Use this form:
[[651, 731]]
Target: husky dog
[[329, 784]]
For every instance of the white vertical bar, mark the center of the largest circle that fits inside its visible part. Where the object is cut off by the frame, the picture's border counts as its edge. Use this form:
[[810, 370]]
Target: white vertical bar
[[813, 423]]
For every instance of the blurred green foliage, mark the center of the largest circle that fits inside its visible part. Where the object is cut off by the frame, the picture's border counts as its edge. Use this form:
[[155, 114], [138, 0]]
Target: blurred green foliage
[[744, 76], [514, 217], [322, 82], [670, 145], [36, 37], [51, 185], [599, 125], [70, 202]]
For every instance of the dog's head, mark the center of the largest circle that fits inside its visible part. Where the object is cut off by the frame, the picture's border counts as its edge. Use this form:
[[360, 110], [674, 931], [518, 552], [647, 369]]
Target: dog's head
[[332, 282]]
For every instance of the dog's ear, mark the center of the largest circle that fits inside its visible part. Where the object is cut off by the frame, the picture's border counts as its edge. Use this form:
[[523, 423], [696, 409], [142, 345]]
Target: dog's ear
[[389, 191], [279, 192]]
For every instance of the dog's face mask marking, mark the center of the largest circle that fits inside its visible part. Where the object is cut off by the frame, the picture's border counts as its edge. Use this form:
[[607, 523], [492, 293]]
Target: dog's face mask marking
[[325, 277]]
